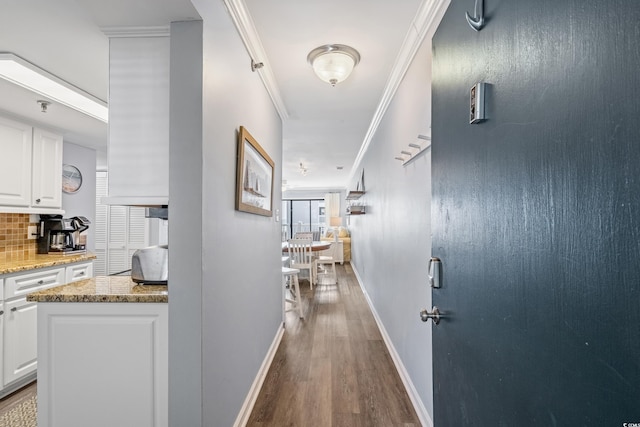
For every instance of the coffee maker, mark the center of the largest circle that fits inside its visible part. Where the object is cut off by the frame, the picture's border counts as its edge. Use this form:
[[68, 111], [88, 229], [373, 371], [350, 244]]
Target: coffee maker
[[58, 235]]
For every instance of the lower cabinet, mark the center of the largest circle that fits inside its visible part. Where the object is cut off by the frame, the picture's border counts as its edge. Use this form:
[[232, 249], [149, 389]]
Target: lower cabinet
[[20, 340], [79, 271], [18, 320], [102, 364]]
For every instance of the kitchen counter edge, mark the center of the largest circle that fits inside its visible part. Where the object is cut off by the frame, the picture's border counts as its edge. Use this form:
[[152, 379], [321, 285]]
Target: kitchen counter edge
[[42, 261], [103, 289]]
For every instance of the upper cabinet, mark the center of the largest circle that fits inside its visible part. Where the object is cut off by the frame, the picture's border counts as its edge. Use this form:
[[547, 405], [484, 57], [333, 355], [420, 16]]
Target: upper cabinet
[[15, 163], [138, 152], [46, 184], [30, 169]]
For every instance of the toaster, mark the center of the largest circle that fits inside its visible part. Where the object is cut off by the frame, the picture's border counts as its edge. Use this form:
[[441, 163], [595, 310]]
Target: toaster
[[150, 265]]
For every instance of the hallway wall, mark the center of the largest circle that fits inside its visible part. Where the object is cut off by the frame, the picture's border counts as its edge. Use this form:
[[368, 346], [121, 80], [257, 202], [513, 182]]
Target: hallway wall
[[391, 243], [226, 291]]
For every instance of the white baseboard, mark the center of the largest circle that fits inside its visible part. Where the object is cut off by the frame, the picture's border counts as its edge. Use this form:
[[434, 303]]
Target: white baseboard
[[250, 400], [421, 411]]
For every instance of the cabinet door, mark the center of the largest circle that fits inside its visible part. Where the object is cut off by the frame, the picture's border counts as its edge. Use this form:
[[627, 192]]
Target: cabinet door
[[15, 163], [77, 272], [97, 356], [2, 316], [47, 169], [20, 339]]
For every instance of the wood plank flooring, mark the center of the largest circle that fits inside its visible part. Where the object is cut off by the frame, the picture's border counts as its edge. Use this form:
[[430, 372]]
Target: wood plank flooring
[[332, 368], [11, 401]]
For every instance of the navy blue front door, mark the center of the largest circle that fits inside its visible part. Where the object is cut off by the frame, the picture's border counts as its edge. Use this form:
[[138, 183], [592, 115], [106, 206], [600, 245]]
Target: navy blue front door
[[536, 215]]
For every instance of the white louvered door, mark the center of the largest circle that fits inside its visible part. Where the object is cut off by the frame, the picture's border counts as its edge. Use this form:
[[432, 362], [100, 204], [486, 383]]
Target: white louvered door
[[102, 214], [120, 230]]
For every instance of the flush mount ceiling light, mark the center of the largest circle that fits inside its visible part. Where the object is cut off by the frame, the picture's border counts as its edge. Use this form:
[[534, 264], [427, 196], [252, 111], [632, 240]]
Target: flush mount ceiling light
[[333, 63], [29, 76]]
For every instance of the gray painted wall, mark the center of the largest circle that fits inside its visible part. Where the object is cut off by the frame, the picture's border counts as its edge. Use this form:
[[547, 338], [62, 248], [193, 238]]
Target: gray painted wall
[[228, 304], [185, 230], [82, 202], [391, 243]]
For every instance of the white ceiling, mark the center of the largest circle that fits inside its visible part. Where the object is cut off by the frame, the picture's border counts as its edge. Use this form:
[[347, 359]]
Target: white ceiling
[[323, 126]]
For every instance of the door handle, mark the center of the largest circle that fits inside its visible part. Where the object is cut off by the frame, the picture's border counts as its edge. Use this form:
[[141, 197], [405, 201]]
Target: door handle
[[433, 267], [434, 315]]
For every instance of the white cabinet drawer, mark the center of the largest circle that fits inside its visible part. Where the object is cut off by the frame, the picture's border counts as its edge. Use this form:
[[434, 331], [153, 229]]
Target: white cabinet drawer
[[79, 272], [22, 284]]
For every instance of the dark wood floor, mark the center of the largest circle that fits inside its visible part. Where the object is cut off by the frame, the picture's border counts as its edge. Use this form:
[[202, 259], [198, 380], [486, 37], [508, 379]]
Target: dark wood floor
[[333, 368]]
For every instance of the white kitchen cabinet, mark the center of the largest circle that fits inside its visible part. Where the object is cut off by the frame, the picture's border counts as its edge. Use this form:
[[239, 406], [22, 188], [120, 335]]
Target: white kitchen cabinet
[[79, 271], [115, 354], [20, 339], [2, 316], [18, 321], [30, 169], [21, 284], [15, 163], [46, 184]]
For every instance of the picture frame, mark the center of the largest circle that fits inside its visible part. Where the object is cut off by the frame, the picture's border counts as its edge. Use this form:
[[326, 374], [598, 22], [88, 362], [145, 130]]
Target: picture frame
[[254, 181]]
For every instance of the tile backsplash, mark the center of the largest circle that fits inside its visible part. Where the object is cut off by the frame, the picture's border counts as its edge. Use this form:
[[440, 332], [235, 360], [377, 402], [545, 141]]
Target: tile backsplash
[[14, 245]]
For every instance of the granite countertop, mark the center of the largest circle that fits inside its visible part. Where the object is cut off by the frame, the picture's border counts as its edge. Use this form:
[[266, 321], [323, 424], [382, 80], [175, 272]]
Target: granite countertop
[[103, 289], [42, 261]]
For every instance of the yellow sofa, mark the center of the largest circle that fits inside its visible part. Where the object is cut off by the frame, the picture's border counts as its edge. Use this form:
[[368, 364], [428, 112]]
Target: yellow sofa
[[344, 237]]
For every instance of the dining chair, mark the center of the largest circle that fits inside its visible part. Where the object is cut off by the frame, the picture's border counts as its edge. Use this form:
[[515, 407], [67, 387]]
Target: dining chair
[[327, 258], [294, 288], [301, 257]]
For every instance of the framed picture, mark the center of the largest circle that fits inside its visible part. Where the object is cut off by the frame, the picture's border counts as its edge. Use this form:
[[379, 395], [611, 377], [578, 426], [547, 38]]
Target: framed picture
[[254, 182]]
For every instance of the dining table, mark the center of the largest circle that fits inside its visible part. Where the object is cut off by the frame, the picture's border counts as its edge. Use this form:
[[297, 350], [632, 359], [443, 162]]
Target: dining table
[[316, 246]]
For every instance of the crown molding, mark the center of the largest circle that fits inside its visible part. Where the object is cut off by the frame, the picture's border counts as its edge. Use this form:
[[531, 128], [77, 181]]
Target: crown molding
[[249, 35], [427, 18], [155, 31]]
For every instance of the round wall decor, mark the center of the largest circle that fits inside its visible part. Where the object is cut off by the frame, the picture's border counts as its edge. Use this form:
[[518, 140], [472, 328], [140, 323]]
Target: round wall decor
[[71, 179]]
